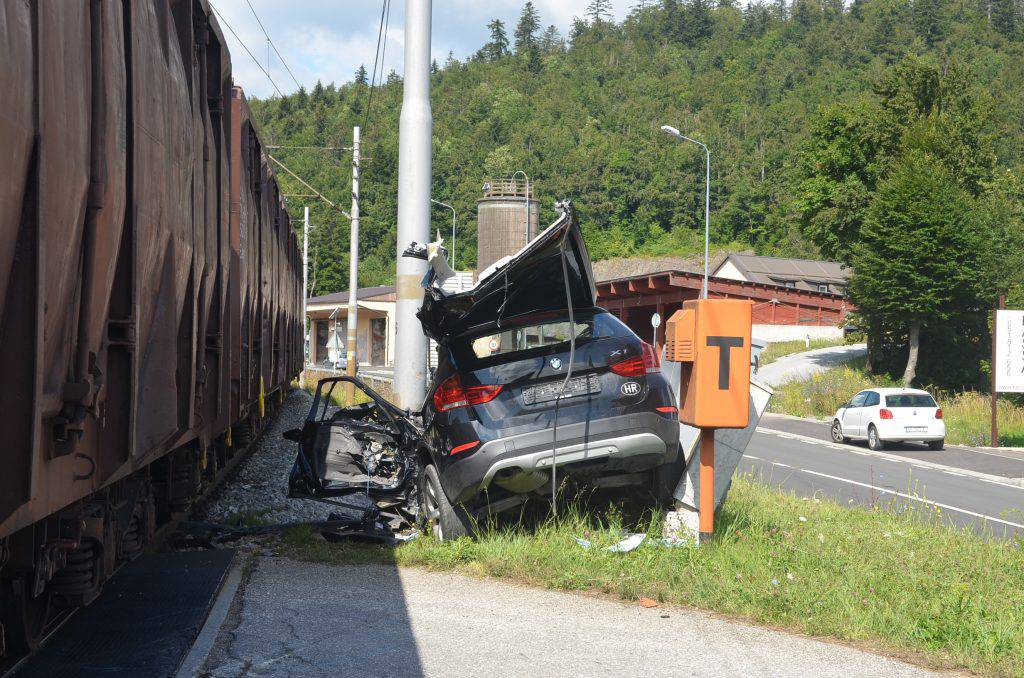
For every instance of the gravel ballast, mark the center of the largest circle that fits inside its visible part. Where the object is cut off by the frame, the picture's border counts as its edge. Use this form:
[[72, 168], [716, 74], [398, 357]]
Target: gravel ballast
[[260, 487]]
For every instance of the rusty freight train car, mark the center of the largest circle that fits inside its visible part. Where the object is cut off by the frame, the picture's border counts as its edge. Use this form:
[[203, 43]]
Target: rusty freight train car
[[150, 288]]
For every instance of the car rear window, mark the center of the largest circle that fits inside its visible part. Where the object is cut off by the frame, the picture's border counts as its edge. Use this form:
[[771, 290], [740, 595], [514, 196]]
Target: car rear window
[[909, 400], [532, 336], [528, 337]]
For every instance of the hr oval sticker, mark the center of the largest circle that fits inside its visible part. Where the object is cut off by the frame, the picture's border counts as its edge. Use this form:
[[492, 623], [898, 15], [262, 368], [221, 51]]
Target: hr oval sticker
[[630, 388]]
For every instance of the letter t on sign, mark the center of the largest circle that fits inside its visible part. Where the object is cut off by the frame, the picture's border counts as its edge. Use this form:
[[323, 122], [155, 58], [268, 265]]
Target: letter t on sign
[[724, 344]]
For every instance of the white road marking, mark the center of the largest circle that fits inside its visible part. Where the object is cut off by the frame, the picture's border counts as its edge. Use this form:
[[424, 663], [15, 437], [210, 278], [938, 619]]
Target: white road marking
[[964, 473], [898, 494]]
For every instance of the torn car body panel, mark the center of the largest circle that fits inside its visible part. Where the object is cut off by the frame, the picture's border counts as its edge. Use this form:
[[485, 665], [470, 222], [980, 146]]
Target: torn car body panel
[[367, 449]]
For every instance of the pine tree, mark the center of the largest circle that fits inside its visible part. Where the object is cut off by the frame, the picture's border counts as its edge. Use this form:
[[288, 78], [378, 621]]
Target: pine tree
[[929, 17], [577, 29], [924, 256], [526, 29], [1005, 18], [301, 98], [498, 45], [361, 75], [697, 22], [318, 96], [599, 11], [551, 41]]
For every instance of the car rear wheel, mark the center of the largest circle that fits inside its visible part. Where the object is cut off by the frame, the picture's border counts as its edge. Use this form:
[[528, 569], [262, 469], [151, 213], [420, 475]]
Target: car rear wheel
[[874, 442], [936, 444], [837, 433], [439, 518], [664, 480]]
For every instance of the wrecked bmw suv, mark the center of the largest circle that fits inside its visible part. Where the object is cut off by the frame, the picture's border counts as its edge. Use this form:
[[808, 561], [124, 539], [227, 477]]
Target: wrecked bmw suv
[[534, 384]]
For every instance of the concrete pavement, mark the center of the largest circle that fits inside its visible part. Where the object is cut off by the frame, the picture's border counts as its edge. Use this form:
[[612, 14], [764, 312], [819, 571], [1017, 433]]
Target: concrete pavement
[[300, 619], [803, 365]]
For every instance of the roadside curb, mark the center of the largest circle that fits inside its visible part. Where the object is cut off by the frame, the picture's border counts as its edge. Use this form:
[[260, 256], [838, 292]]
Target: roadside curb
[[193, 662], [782, 415], [1017, 483]]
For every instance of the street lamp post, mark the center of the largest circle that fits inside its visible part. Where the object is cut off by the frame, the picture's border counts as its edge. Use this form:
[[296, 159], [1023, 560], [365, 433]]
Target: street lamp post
[[444, 204], [707, 197], [527, 200]]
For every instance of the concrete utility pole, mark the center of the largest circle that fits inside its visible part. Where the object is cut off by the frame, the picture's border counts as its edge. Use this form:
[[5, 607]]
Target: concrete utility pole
[[353, 271], [414, 174], [305, 285]]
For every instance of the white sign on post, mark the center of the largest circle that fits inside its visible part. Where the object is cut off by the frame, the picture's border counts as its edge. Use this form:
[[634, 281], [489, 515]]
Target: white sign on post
[[1009, 363]]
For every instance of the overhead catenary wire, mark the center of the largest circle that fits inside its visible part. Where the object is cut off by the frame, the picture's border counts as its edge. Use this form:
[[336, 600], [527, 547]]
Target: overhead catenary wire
[[283, 62], [247, 50], [304, 183], [378, 57]]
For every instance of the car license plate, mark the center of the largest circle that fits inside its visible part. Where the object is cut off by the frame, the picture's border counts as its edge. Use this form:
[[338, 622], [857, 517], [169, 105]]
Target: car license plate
[[577, 386], [917, 429]]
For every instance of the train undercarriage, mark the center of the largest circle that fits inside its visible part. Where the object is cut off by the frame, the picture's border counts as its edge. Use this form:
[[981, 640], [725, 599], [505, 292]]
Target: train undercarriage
[[59, 564]]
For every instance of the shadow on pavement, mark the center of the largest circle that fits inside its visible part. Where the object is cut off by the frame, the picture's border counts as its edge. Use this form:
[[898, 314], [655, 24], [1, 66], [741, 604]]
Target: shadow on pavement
[[313, 619]]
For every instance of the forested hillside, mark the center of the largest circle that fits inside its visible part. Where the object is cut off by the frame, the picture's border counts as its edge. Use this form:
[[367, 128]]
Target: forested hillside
[[581, 115]]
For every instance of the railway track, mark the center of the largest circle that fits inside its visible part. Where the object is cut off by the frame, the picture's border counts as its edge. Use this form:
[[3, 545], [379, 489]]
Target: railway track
[[40, 620]]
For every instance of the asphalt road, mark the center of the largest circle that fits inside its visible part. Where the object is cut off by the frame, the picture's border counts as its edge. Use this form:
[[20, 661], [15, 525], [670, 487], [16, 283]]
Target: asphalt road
[[983, 490], [803, 365], [301, 619]]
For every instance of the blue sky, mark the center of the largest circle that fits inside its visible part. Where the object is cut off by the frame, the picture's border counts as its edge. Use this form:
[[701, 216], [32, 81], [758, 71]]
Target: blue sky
[[328, 39]]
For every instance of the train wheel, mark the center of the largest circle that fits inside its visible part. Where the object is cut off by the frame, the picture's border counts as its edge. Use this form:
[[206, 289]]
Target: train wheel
[[25, 619], [242, 435]]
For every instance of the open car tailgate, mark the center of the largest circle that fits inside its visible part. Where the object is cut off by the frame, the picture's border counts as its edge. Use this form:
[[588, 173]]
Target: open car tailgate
[[531, 281]]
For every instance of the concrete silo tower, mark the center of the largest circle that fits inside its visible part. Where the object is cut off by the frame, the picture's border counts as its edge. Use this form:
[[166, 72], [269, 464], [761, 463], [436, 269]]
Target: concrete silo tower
[[507, 217]]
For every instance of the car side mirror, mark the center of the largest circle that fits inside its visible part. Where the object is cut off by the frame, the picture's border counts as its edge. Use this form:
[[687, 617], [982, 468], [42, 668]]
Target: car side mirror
[[294, 435]]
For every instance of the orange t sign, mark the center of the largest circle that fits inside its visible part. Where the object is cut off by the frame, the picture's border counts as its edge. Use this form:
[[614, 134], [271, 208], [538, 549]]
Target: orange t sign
[[713, 336]]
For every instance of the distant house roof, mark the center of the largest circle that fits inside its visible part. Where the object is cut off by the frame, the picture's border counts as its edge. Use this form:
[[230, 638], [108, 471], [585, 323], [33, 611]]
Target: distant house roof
[[627, 267], [362, 294], [804, 273]]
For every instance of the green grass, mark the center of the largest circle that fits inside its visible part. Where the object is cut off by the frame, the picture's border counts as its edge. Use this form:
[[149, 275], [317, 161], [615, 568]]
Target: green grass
[[778, 349], [967, 413], [898, 582]]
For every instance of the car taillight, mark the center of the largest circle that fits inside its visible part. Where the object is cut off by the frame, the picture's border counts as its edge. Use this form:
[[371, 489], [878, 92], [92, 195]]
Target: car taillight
[[646, 363], [630, 367], [938, 413], [668, 409], [885, 414], [451, 394]]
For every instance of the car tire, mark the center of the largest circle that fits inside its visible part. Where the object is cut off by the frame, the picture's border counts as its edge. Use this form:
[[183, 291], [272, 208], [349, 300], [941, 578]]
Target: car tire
[[438, 517], [837, 433], [664, 480], [936, 445], [874, 442]]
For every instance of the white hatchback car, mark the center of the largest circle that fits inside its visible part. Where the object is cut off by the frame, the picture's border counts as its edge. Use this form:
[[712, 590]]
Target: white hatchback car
[[884, 415]]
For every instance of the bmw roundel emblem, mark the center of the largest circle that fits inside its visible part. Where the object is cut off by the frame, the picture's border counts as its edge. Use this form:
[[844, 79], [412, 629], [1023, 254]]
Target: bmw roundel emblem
[[556, 363]]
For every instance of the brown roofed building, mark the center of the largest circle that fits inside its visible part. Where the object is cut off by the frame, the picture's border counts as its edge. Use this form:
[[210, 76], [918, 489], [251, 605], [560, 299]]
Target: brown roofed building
[[802, 274]]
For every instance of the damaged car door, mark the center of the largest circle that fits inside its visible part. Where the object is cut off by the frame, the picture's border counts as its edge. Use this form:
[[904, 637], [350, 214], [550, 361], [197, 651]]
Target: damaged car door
[[369, 448]]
